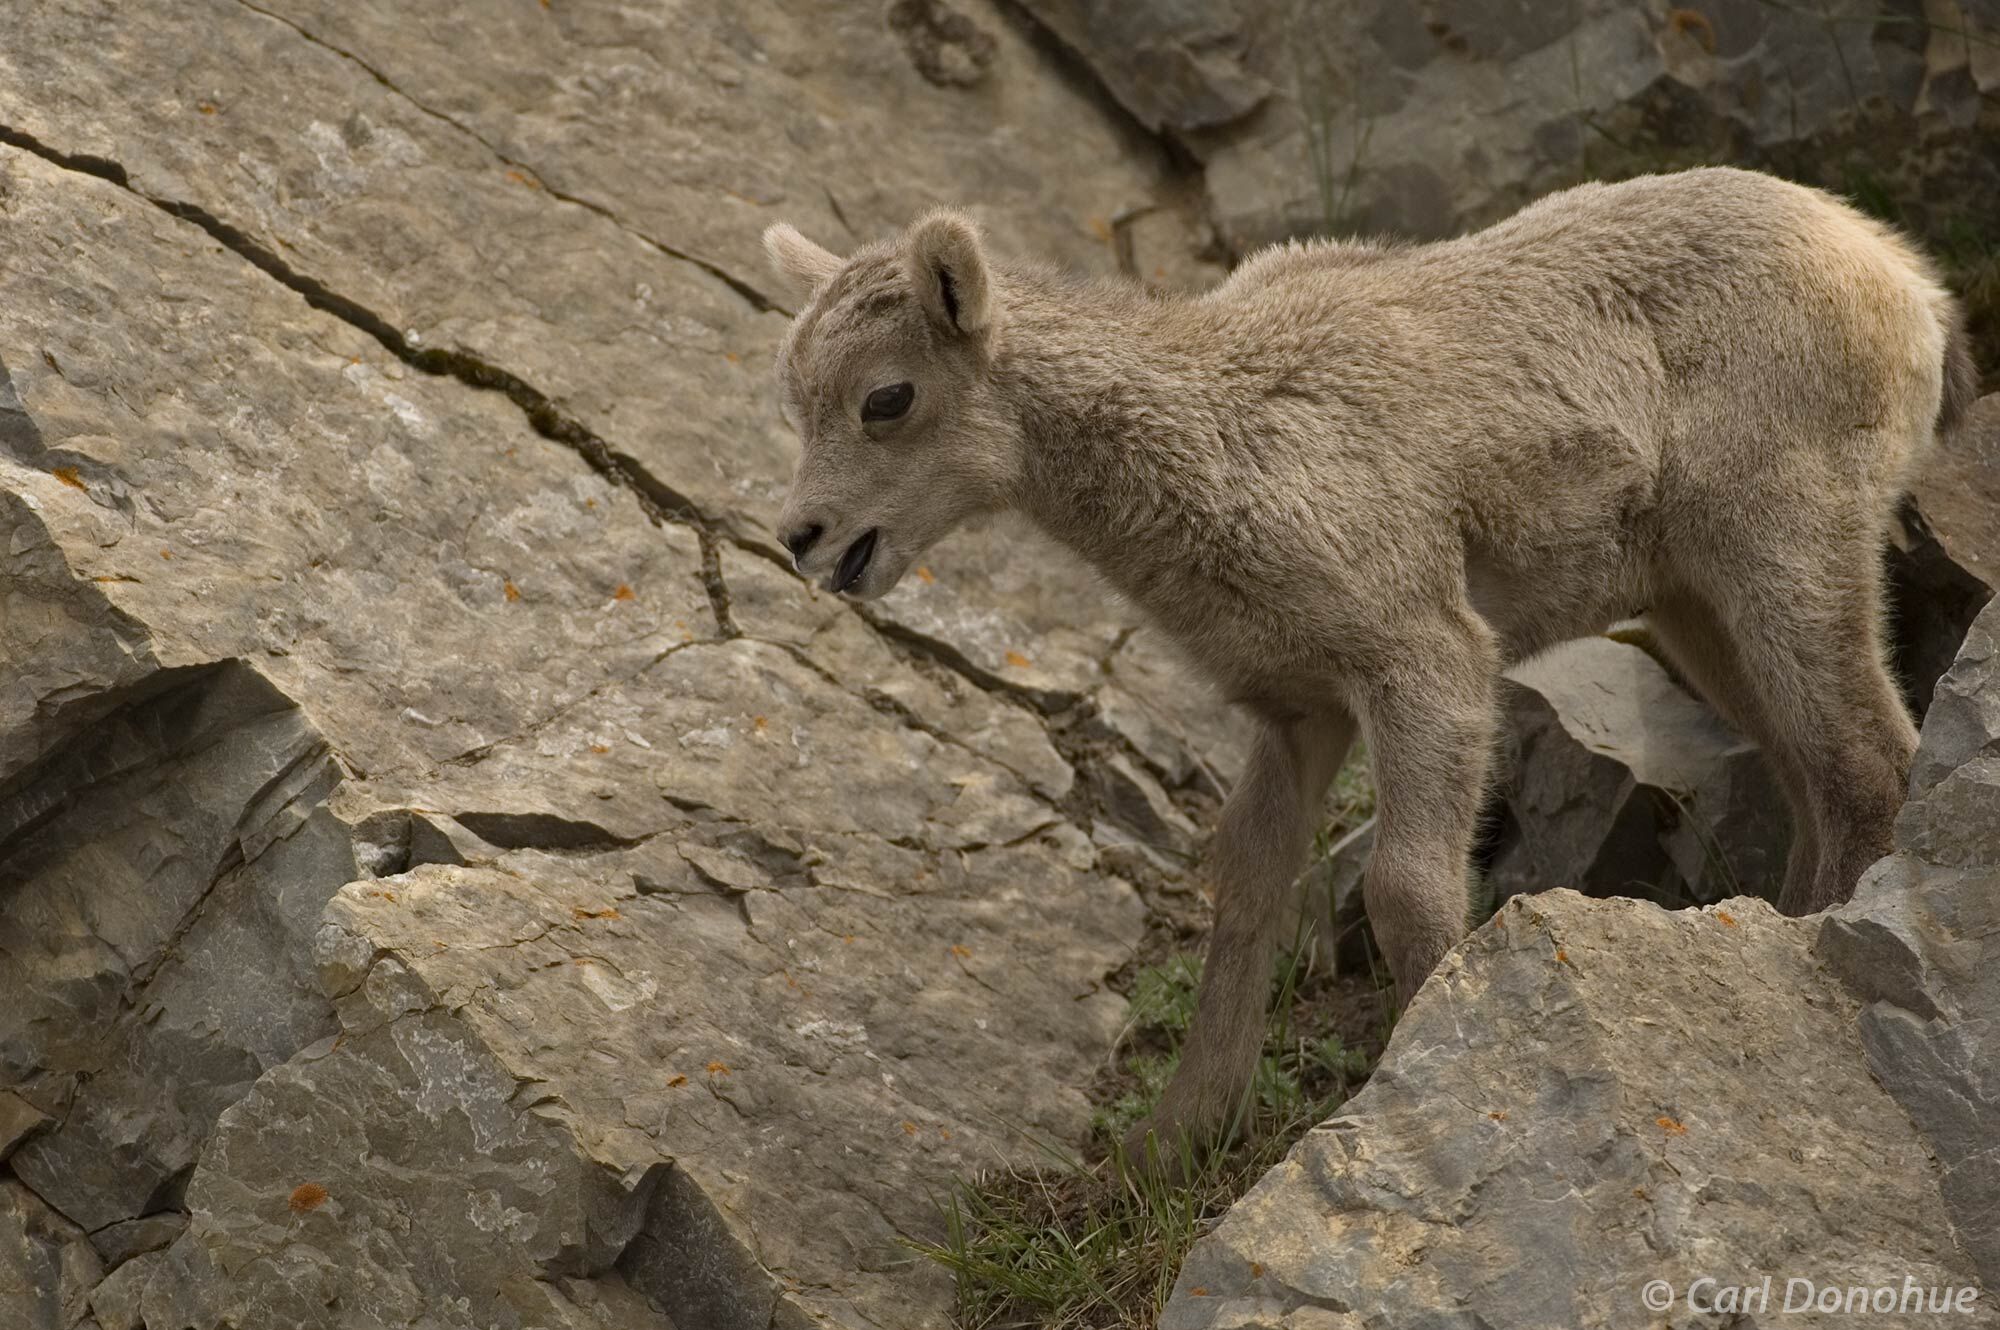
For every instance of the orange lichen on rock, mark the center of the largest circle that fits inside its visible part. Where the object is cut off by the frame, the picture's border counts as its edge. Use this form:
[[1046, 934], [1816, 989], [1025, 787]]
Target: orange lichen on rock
[[1670, 1127], [306, 1197], [1694, 23]]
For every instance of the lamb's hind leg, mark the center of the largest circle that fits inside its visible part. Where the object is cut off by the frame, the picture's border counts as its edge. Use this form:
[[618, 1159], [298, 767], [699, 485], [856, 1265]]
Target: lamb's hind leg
[[1259, 846], [1810, 638], [1692, 634]]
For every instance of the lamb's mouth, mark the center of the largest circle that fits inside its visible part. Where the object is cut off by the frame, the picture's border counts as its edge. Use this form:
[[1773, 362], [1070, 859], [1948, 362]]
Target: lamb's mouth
[[855, 562]]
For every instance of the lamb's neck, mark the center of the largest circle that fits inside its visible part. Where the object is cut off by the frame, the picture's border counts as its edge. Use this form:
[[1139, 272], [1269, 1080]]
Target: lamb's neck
[[1117, 414]]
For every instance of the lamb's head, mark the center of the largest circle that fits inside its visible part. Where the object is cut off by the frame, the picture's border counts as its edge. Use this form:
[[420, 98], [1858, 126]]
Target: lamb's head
[[887, 377]]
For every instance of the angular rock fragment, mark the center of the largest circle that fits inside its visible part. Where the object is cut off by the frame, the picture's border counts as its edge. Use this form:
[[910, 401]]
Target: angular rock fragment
[[47, 1267], [1177, 68], [115, 1302], [1617, 781], [150, 912], [120, 1242], [1134, 800]]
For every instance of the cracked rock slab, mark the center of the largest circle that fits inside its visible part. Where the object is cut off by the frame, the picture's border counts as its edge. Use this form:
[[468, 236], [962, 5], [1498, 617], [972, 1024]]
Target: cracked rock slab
[[328, 649], [407, 810], [575, 195], [47, 1266], [223, 501]]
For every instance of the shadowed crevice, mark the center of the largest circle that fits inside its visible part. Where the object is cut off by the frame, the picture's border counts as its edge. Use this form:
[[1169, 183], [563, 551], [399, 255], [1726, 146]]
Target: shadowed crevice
[[540, 831]]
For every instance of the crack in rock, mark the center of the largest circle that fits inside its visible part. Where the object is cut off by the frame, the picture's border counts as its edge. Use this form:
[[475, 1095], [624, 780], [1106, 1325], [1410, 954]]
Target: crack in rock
[[662, 504], [756, 299]]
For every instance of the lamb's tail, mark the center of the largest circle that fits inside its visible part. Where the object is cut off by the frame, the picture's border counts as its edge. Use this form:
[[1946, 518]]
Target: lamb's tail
[[1961, 376]]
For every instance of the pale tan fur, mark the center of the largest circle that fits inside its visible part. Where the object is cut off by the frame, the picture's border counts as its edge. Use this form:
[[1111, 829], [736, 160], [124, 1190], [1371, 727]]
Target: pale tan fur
[[1355, 481]]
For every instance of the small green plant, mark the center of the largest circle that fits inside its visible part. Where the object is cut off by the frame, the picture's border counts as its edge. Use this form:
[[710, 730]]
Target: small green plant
[[1320, 78], [1163, 996]]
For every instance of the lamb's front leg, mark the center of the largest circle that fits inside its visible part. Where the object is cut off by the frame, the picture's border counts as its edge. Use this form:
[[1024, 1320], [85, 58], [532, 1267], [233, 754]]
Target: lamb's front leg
[[1259, 845], [1430, 726]]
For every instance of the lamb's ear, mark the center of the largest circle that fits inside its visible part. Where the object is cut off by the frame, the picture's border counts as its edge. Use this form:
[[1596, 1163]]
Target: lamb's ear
[[947, 265], [799, 259]]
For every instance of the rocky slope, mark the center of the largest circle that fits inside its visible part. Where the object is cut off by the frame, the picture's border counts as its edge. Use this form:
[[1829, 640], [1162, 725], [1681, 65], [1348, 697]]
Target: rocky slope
[[452, 874]]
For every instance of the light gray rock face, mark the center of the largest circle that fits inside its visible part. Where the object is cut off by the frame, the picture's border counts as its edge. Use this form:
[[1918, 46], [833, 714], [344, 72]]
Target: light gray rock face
[[575, 195], [1920, 944], [438, 885], [1618, 781]]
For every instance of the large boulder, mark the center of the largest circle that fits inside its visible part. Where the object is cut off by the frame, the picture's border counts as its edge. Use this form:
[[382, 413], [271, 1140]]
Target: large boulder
[[1178, 68], [1594, 1098]]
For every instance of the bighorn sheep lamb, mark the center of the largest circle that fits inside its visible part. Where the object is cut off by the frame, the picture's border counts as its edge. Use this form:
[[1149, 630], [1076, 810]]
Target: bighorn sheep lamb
[[1355, 481]]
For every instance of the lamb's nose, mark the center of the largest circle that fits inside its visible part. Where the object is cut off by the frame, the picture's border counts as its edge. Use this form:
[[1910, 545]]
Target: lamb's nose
[[800, 539]]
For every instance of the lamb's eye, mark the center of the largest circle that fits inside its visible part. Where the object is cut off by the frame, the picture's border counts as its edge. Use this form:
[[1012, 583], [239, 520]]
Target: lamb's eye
[[888, 403]]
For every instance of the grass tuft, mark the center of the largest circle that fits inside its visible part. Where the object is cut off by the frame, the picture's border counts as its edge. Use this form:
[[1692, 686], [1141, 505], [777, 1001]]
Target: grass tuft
[[1072, 1244]]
